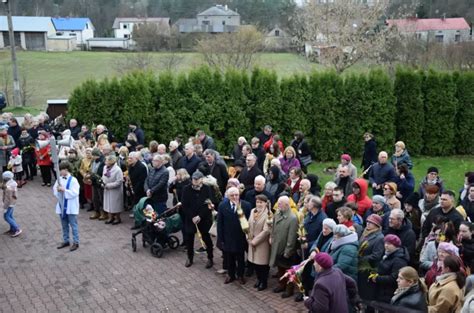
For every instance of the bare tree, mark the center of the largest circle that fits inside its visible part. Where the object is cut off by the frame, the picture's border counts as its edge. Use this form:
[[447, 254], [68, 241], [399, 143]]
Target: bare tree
[[344, 31], [459, 56], [232, 50], [151, 36], [134, 61], [6, 82], [26, 91], [170, 61]]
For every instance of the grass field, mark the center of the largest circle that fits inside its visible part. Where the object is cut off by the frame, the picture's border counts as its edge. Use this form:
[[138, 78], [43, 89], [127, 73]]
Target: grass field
[[451, 169], [53, 75]]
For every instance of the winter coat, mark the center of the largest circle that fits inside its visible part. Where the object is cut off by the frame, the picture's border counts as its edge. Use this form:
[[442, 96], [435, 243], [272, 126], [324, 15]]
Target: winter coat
[[194, 204], [325, 247], [177, 187], [407, 237], [468, 306], [190, 164], [259, 232], [362, 200], [247, 176], [332, 207], [250, 197], [5, 154], [344, 252], [218, 170], [347, 188], [331, 292], [468, 206], [372, 249], [229, 231], [157, 183], [404, 158], [444, 295], [452, 215], [428, 255], [26, 145], [313, 224], [261, 155], [413, 298], [387, 270], [43, 156], [138, 174], [283, 238], [175, 157], [208, 143], [370, 153], [113, 189], [406, 186], [439, 182], [288, 164], [466, 250], [237, 151], [381, 174], [303, 152]]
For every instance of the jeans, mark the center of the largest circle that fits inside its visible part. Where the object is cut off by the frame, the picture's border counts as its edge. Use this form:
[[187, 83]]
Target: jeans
[[70, 220], [8, 216]]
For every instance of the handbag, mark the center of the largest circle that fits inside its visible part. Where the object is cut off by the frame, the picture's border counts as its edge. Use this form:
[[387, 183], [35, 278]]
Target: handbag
[[213, 229]]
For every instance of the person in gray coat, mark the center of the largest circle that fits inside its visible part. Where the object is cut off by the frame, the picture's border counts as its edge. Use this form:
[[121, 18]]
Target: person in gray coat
[[112, 179]]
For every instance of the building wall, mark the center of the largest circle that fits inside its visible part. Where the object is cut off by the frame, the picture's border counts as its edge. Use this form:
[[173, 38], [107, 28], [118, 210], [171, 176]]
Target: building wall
[[219, 20], [61, 44], [124, 32], [108, 44], [448, 36]]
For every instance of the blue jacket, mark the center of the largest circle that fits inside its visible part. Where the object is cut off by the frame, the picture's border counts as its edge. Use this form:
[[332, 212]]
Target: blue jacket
[[382, 173], [191, 164], [404, 158], [406, 186], [313, 224], [229, 231]]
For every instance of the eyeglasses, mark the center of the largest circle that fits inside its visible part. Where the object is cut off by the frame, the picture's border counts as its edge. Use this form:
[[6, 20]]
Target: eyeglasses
[[444, 199]]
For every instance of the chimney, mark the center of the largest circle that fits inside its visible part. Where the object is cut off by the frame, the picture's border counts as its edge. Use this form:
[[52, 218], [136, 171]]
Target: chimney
[[226, 7]]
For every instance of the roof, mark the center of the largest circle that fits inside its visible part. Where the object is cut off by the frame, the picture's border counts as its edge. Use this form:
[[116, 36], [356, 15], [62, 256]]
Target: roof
[[157, 20], [219, 10], [27, 23], [70, 23], [427, 24]]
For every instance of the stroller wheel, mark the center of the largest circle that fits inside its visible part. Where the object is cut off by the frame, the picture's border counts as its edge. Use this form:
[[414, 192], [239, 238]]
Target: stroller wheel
[[134, 244], [173, 242], [157, 250]]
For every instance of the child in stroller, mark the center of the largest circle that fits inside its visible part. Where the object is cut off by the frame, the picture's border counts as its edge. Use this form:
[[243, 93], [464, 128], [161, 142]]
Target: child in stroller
[[156, 230]]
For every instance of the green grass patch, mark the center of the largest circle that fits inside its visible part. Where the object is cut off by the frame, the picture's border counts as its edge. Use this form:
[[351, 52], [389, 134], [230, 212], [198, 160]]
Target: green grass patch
[[451, 169]]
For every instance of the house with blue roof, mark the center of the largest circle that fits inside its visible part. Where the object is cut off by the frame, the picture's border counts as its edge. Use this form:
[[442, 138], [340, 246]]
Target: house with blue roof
[[30, 32], [80, 28]]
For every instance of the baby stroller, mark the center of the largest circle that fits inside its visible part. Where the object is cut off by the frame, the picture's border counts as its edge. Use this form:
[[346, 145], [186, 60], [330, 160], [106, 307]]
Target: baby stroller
[[156, 230]]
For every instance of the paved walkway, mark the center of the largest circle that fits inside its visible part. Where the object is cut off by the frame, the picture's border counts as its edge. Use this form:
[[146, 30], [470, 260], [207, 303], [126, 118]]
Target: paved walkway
[[104, 275]]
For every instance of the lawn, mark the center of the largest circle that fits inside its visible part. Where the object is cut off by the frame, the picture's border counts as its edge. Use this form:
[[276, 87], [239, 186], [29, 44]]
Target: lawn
[[53, 75], [451, 169]]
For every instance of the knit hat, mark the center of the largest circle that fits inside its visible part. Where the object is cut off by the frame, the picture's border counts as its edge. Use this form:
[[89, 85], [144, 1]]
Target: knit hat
[[198, 175], [341, 230], [7, 175], [449, 248], [96, 152], [375, 219], [379, 199], [432, 169], [413, 199], [393, 240], [15, 152], [324, 260], [346, 157], [329, 222], [392, 186]]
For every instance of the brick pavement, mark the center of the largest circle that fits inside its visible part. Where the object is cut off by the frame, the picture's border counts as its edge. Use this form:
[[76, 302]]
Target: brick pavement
[[104, 275]]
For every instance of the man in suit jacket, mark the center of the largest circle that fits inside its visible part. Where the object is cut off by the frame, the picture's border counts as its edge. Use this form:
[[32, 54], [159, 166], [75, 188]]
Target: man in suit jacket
[[197, 214], [231, 235]]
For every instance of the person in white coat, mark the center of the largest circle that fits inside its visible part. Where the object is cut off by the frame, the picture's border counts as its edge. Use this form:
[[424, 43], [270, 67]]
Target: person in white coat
[[66, 190]]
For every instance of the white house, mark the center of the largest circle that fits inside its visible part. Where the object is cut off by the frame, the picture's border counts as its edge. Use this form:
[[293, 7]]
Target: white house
[[79, 27], [123, 26], [440, 30], [30, 32], [216, 19]]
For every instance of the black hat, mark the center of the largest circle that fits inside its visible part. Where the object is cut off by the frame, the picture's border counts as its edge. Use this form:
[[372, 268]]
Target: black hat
[[239, 162], [413, 199], [198, 175], [432, 169]]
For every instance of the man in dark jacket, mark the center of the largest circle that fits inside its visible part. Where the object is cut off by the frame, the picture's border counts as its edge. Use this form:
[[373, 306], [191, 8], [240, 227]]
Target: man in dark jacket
[[97, 168], [258, 189], [382, 172], [331, 289], [137, 173], [14, 130], [370, 153], [190, 160], [259, 152], [468, 202], [265, 135], [139, 133], [231, 235], [401, 226], [74, 128], [197, 213], [207, 142], [174, 153], [156, 184], [338, 201], [250, 171], [344, 180], [446, 210], [216, 168]]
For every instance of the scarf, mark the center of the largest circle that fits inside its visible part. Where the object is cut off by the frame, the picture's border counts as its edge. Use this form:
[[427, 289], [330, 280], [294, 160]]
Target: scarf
[[401, 291], [428, 205], [366, 233], [323, 241], [108, 170], [348, 224]]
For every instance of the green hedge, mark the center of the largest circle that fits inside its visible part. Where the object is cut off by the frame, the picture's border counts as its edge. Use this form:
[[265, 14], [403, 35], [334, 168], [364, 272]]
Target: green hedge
[[431, 112]]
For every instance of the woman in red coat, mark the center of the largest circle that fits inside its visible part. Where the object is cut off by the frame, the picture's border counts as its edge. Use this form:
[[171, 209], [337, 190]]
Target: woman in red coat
[[43, 157]]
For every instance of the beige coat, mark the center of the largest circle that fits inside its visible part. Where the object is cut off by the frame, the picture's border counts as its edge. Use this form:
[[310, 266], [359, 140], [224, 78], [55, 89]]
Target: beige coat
[[113, 190], [259, 251], [283, 237], [445, 296]]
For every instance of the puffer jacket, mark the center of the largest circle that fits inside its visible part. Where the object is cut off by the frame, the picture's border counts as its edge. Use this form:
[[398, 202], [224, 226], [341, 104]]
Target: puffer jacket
[[413, 298], [344, 252], [386, 281], [362, 200]]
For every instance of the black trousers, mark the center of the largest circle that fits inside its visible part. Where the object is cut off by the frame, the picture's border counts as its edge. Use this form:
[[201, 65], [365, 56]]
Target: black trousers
[[29, 168], [46, 173], [235, 264], [97, 198], [261, 271], [189, 241]]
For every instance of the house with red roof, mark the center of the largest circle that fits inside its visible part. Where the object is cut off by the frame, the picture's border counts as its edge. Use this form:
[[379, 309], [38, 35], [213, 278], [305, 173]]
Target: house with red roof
[[430, 30]]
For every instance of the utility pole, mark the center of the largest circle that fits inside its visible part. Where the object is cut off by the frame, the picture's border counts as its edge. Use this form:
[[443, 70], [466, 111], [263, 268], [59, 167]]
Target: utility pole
[[16, 81]]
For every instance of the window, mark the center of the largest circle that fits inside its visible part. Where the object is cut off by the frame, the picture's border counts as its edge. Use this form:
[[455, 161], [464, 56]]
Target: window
[[205, 23], [439, 38], [457, 38], [87, 25], [277, 33], [223, 23], [72, 34], [418, 36], [126, 36], [59, 33], [125, 26]]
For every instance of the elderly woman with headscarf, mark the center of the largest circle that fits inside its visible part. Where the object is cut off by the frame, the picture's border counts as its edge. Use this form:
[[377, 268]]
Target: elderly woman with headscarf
[[401, 156], [344, 250], [112, 179]]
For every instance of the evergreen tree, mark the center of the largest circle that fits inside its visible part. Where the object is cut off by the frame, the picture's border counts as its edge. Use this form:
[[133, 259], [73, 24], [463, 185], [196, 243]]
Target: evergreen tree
[[465, 115]]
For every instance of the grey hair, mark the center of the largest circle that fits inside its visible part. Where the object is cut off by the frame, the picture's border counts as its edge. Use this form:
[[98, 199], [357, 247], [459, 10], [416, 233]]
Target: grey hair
[[159, 157], [111, 158], [316, 201], [398, 213]]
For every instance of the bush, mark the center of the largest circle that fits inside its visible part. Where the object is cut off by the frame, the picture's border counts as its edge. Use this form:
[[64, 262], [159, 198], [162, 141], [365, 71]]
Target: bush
[[464, 139]]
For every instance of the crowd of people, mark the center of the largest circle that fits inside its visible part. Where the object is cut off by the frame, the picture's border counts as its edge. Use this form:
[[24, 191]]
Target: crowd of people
[[401, 245]]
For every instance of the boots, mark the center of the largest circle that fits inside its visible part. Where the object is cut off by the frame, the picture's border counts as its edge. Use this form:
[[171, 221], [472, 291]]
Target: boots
[[117, 219], [103, 216], [95, 216], [111, 219]]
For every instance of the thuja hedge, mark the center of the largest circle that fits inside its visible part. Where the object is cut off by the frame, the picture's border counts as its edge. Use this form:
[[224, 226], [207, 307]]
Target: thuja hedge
[[431, 111]]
